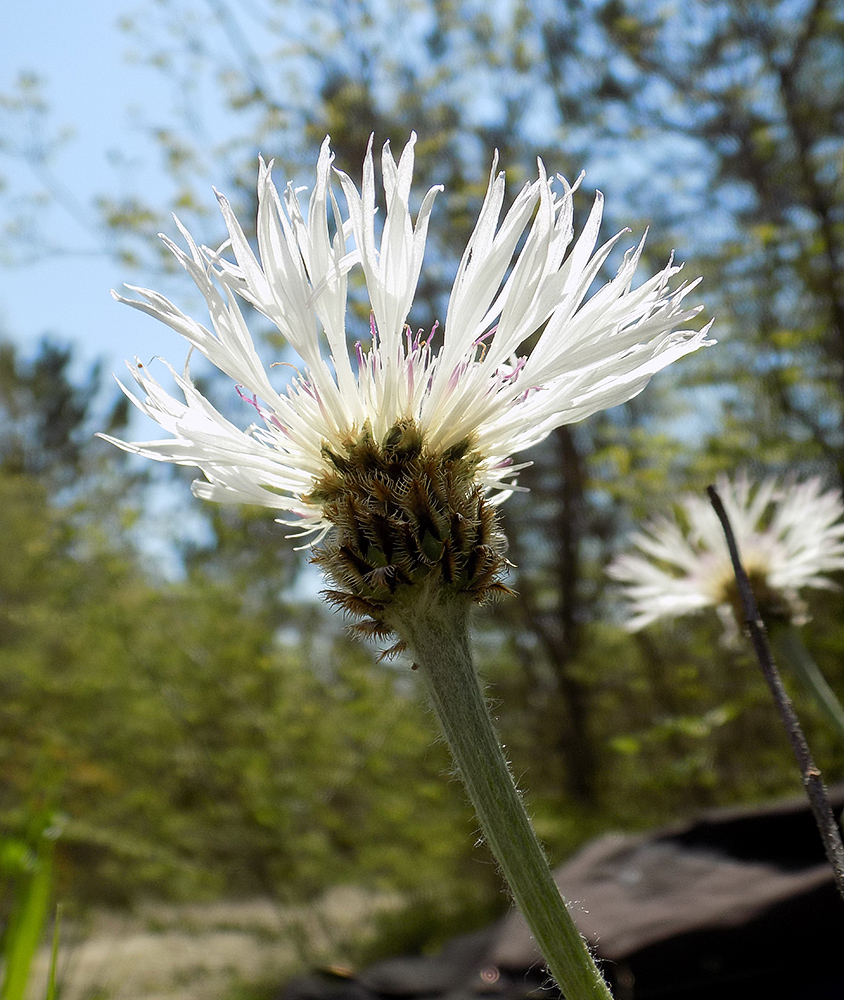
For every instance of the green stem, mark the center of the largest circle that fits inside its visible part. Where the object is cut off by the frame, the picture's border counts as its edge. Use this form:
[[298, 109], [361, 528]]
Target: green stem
[[795, 654], [437, 633]]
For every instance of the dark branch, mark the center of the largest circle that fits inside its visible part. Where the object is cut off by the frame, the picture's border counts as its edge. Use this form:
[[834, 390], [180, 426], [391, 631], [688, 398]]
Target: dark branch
[[812, 780]]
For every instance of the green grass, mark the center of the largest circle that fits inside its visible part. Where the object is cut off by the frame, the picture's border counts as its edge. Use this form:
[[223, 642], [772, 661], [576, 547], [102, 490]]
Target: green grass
[[32, 870]]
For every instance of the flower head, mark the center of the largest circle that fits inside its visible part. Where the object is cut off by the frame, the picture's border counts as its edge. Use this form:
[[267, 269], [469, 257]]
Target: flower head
[[397, 448], [789, 537]]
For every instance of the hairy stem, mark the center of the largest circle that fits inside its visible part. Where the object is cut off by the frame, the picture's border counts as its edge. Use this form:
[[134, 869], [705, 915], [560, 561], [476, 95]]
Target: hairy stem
[[437, 633]]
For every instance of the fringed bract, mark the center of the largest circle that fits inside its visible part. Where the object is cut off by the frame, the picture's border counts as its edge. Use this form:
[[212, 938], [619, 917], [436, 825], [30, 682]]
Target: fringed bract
[[405, 517]]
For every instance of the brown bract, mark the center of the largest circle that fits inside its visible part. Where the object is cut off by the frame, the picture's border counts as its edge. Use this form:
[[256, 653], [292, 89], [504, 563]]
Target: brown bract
[[406, 521], [776, 607]]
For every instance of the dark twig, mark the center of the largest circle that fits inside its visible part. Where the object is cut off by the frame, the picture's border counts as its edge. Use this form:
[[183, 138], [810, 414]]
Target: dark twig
[[812, 780]]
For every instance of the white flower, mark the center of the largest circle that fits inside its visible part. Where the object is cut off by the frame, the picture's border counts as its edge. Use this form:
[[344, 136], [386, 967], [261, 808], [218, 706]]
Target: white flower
[[789, 537], [591, 353]]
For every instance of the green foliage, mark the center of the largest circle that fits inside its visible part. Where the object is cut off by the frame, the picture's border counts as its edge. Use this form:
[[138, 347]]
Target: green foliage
[[189, 750], [26, 878], [202, 737]]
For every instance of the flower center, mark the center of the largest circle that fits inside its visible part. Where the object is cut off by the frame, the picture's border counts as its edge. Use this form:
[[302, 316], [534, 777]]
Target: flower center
[[405, 518], [774, 606]]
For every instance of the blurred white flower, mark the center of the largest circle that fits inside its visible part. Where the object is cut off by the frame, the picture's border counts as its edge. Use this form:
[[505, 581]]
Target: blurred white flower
[[789, 537], [477, 393]]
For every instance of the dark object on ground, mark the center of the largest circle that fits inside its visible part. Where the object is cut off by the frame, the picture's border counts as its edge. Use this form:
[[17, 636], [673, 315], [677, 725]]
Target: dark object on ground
[[737, 904]]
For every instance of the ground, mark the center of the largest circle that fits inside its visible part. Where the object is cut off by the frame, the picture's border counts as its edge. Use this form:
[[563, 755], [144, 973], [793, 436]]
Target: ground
[[207, 951]]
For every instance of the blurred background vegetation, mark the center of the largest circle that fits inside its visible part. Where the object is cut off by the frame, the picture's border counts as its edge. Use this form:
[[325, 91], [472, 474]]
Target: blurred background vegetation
[[199, 721]]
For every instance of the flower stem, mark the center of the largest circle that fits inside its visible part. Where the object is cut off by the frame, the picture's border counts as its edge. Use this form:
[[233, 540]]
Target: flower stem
[[793, 651], [439, 639]]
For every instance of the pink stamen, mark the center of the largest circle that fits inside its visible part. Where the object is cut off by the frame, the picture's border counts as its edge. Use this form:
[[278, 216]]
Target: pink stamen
[[455, 376], [271, 419], [485, 336], [321, 405], [420, 340], [252, 402], [514, 374], [527, 393]]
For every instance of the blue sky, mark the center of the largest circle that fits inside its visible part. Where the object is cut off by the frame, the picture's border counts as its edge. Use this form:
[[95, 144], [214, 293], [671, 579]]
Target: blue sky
[[91, 87]]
